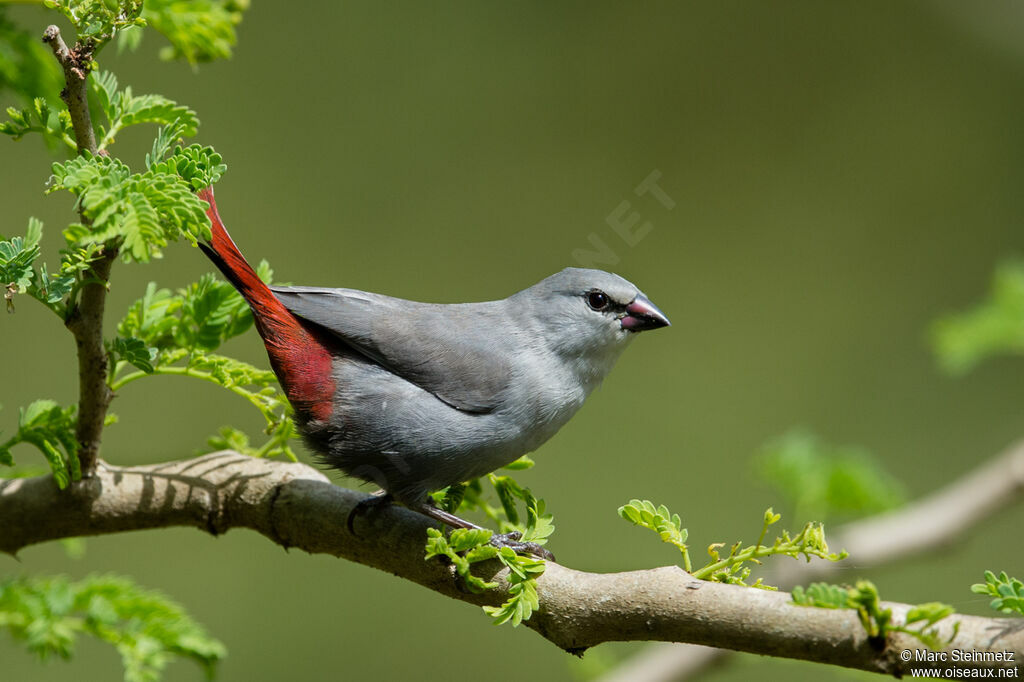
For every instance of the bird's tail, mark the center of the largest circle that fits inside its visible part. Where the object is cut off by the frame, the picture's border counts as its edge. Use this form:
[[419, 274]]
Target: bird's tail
[[299, 354]]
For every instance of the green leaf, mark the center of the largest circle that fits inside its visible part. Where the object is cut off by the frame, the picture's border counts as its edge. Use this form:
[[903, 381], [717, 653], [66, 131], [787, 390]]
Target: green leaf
[[668, 526], [995, 326], [142, 211], [53, 124], [212, 311], [196, 165], [123, 109], [48, 614], [929, 613], [98, 21], [521, 464], [824, 481], [464, 539], [50, 429], [175, 333], [822, 595], [133, 351], [27, 67], [1008, 592], [198, 30]]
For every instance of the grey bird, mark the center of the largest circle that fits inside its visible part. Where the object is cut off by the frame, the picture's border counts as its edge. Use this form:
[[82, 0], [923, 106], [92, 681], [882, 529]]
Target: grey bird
[[415, 396]]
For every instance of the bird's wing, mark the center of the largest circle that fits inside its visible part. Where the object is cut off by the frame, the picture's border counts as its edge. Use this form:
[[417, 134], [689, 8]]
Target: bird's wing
[[453, 351]]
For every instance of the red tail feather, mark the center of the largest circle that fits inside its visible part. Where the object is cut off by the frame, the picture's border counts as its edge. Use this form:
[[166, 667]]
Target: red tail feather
[[299, 354]]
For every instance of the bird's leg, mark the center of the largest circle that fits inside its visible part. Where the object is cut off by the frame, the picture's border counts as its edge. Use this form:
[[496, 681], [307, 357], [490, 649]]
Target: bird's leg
[[444, 517], [378, 499], [510, 540]]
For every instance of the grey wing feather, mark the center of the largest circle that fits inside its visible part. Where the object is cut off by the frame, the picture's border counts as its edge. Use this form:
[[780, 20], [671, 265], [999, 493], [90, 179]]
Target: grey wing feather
[[449, 350]]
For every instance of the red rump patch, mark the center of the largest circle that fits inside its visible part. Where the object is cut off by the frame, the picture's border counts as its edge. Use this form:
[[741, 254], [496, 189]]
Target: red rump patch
[[299, 355]]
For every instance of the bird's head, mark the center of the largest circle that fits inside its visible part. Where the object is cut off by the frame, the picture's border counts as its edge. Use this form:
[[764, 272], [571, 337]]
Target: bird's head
[[589, 314]]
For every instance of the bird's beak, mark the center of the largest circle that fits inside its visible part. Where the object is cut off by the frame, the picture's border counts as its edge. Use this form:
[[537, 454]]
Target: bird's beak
[[641, 315]]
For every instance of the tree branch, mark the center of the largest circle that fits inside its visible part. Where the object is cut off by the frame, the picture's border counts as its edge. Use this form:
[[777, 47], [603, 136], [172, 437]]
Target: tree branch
[[296, 506], [85, 320], [76, 64], [926, 525]]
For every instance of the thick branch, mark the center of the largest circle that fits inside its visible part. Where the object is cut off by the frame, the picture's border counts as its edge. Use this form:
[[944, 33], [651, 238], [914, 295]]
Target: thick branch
[[295, 506], [927, 525], [85, 321]]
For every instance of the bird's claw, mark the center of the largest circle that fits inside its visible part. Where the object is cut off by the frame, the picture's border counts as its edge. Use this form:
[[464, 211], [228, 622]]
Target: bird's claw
[[512, 541]]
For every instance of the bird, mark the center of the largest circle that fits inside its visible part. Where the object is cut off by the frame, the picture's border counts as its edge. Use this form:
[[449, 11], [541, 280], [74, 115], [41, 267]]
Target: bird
[[414, 397]]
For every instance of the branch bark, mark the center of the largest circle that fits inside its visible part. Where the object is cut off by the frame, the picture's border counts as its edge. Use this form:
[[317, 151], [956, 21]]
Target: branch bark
[[76, 64], [296, 506], [928, 524], [85, 320]]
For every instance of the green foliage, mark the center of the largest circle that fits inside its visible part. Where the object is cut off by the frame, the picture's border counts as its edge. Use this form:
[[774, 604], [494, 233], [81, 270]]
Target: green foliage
[[98, 21], [825, 480], [809, 542], [141, 212], [27, 68], [164, 333], [16, 257], [123, 109], [51, 429], [878, 622], [522, 577], [667, 525], [1008, 592], [822, 595], [198, 166], [464, 548], [147, 629], [175, 333], [470, 497], [53, 124], [473, 547], [993, 327], [198, 30], [18, 276]]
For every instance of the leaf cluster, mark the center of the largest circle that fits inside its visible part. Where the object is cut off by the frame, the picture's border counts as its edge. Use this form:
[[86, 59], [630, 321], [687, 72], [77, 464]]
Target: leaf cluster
[[878, 621], [139, 212], [1007, 592], [98, 21], [53, 124], [198, 30], [175, 334], [533, 523], [51, 429], [147, 629], [465, 548], [27, 68], [825, 481], [995, 326], [809, 542], [122, 109]]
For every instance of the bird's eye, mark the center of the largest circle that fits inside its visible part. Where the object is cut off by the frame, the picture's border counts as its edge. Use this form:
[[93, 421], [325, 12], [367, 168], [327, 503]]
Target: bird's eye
[[597, 300]]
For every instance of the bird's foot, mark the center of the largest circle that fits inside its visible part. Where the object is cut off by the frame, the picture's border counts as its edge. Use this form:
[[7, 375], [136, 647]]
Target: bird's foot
[[510, 540], [379, 499], [513, 542]]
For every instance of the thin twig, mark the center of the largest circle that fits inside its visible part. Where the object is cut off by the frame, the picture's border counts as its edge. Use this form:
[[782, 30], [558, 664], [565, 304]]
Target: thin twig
[[75, 64]]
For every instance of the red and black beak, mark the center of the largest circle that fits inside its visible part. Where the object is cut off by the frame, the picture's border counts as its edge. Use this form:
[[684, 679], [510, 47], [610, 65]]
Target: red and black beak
[[642, 315]]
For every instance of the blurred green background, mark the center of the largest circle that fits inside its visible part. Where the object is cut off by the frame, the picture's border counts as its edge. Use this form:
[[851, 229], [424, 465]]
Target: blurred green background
[[842, 174]]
